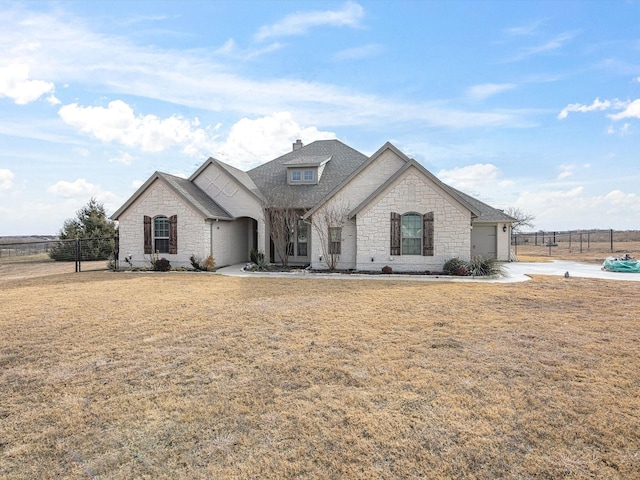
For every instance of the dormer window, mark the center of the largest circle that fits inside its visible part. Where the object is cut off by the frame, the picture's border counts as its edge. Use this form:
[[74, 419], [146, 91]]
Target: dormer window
[[305, 176], [306, 170]]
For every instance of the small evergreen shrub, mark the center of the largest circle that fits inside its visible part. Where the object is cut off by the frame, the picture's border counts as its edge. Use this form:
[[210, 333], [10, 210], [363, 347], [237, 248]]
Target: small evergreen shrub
[[456, 267], [387, 270], [195, 262], [162, 265]]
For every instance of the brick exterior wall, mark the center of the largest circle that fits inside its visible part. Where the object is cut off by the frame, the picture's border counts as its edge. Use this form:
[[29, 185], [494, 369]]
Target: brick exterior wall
[[158, 199]]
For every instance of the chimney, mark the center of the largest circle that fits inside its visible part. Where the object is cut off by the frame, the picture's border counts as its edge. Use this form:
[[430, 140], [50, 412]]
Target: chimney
[[298, 145]]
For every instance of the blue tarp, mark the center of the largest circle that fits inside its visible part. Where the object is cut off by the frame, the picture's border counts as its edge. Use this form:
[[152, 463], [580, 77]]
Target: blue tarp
[[622, 264]]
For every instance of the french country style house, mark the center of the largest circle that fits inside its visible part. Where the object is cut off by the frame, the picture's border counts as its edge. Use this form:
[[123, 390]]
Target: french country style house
[[344, 210]]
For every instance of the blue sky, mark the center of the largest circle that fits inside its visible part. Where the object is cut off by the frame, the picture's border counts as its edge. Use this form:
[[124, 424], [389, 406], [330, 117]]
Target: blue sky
[[534, 105]]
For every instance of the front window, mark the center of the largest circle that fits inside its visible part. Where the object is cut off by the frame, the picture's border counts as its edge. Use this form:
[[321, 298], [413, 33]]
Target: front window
[[302, 238], [308, 175], [411, 234], [296, 176], [161, 234], [335, 240]]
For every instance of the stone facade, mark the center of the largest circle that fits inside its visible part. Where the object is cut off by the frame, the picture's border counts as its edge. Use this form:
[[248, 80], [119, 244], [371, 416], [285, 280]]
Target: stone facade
[[366, 239], [231, 221], [235, 199], [412, 193], [158, 199]]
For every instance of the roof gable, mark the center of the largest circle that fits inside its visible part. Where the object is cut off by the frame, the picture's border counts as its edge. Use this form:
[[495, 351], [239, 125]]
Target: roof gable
[[241, 178], [184, 189], [452, 193]]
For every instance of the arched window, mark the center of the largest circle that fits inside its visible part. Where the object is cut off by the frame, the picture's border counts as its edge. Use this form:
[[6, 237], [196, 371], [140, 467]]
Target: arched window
[[161, 234], [412, 234]]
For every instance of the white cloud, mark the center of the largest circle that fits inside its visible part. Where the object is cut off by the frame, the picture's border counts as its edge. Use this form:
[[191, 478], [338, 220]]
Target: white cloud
[[137, 184], [300, 23], [118, 123], [631, 110], [15, 84], [524, 30], [53, 100], [356, 53], [58, 42], [251, 142], [6, 179], [572, 209], [83, 152], [471, 176], [123, 157], [578, 107], [567, 171], [486, 90], [78, 188], [555, 43]]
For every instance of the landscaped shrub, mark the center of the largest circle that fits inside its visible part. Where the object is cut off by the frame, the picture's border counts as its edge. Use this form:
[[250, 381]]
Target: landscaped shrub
[[457, 267], [207, 265], [387, 270], [162, 265], [257, 258], [483, 266]]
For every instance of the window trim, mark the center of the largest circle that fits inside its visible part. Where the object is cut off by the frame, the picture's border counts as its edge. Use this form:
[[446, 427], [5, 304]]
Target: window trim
[[150, 237], [418, 234], [396, 235], [335, 246], [302, 176], [161, 235]]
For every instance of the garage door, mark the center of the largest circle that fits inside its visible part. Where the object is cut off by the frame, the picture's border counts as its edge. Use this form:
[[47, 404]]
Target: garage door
[[484, 241]]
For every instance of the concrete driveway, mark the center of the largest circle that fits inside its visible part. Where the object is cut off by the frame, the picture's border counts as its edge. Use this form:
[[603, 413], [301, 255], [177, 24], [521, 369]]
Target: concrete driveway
[[518, 271], [514, 272]]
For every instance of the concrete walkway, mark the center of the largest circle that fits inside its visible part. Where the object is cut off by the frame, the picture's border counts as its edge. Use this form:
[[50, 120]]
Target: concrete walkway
[[514, 272]]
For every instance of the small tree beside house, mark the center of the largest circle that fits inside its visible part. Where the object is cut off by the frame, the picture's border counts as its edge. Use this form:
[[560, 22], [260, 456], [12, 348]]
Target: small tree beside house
[[328, 222]]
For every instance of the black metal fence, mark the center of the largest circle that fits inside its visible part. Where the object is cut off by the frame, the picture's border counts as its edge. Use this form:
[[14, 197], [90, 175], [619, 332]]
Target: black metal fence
[[576, 240], [96, 251]]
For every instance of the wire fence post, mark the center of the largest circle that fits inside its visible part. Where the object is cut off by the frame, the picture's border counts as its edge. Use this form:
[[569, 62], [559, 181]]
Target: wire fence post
[[77, 256], [611, 238]]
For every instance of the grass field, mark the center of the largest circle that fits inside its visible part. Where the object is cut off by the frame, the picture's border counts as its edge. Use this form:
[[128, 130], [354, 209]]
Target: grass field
[[119, 376]]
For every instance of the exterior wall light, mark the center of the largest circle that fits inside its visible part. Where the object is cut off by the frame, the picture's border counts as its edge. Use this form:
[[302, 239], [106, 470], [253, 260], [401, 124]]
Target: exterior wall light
[[504, 228]]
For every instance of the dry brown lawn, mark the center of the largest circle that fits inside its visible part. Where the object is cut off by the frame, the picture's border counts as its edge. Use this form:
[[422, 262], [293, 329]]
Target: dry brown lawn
[[119, 376]]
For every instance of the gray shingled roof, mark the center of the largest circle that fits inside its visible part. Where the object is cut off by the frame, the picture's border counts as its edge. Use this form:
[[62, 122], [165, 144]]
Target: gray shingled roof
[[196, 197], [488, 214], [272, 176]]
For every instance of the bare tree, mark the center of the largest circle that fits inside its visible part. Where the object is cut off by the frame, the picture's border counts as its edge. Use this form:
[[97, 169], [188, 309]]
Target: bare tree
[[281, 217], [327, 223], [523, 219]]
